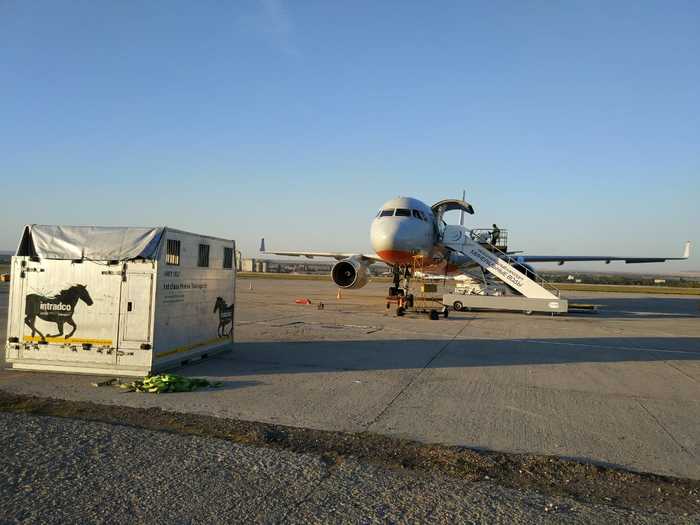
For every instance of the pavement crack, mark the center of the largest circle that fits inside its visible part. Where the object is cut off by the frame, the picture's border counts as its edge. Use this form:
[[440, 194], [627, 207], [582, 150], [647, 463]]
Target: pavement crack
[[415, 376], [681, 372], [668, 432]]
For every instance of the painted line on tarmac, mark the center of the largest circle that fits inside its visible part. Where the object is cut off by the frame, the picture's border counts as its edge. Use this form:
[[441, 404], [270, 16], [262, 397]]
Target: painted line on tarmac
[[670, 314], [609, 347]]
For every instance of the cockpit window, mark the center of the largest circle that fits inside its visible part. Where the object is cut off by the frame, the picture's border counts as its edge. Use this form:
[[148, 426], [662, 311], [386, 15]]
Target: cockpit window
[[403, 212], [418, 214], [386, 213]]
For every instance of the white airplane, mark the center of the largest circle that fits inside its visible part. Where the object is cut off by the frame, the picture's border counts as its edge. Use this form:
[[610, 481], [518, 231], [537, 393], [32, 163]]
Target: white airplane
[[407, 231]]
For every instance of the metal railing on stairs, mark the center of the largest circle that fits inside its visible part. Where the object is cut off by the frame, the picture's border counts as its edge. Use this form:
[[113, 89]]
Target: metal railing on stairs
[[513, 261]]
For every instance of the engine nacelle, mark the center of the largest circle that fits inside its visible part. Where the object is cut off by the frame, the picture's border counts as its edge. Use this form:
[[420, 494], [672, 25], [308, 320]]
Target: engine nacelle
[[350, 273]]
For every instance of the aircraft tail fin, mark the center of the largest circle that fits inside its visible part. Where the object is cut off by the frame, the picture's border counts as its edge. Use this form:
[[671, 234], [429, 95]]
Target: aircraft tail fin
[[461, 214], [686, 250], [262, 244]]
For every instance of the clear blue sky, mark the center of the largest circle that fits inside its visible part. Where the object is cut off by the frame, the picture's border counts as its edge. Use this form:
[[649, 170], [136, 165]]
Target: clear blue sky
[[576, 126]]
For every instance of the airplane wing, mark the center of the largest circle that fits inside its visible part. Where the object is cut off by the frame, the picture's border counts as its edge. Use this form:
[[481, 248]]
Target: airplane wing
[[338, 256], [561, 259]]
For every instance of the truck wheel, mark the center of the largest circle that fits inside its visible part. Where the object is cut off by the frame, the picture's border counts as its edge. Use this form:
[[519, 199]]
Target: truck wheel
[[457, 305], [399, 311], [445, 312], [409, 300], [433, 315]]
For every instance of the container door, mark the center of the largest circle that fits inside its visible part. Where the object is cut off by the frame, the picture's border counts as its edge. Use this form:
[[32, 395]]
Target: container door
[[137, 294], [68, 310]]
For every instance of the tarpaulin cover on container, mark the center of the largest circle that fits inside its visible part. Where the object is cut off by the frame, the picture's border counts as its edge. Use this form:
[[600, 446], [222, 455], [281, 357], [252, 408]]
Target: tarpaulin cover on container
[[97, 243]]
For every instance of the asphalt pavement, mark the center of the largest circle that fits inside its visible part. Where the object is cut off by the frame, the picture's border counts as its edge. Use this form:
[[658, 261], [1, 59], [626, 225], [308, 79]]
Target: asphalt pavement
[[621, 387]]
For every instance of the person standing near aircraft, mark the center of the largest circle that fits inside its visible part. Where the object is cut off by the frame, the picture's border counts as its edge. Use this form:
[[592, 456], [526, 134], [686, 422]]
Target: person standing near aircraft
[[495, 235]]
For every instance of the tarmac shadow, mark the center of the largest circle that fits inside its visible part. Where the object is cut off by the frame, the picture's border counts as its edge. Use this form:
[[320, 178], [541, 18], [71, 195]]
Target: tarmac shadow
[[644, 307], [289, 357]]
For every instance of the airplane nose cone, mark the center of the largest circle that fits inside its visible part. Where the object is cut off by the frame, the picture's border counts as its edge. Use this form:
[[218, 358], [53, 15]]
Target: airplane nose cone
[[394, 239]]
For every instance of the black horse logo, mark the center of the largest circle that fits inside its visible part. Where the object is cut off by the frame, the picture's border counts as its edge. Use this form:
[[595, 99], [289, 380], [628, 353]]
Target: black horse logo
[[225, 316], [58, 309]]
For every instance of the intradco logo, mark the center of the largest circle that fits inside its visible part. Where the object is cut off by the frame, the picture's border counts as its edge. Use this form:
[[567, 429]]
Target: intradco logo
[[53, 307], [58, 309]]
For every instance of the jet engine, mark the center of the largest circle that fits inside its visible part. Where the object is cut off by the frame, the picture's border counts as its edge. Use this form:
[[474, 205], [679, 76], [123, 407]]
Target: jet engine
[[350, 273]]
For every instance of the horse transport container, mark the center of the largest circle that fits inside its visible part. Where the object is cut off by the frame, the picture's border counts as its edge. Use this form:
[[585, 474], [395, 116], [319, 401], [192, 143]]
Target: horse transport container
[[118, 301]]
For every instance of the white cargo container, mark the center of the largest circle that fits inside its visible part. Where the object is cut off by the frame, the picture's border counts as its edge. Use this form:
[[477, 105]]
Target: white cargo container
[[118, 301]]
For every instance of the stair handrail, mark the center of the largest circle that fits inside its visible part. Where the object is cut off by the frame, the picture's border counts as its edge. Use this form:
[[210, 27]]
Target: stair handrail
[[514, 261]]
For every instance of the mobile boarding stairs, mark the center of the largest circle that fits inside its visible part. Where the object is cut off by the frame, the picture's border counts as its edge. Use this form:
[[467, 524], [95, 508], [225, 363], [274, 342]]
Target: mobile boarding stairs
[[487, 250]]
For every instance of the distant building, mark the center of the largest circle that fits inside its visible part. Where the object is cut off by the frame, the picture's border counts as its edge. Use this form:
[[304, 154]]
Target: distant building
[[659, 281], [248, 265], [282, 266]]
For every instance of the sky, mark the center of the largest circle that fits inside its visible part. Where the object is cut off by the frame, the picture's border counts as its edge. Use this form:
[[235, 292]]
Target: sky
[[574, 125]]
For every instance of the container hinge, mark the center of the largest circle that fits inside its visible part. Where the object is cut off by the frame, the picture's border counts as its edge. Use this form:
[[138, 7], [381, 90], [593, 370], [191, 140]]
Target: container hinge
[[23, 273]]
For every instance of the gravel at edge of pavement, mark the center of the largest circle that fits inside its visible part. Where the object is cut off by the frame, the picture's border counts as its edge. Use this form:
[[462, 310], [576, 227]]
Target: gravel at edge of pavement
[[69, 470]]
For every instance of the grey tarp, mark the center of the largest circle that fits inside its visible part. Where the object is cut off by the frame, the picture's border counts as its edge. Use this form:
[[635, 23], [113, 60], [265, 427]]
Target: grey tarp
[[97, 243]]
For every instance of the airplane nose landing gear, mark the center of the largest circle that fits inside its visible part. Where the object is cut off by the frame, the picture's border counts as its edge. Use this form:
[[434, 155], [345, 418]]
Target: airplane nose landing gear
[[395, 291], [405, 301]]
